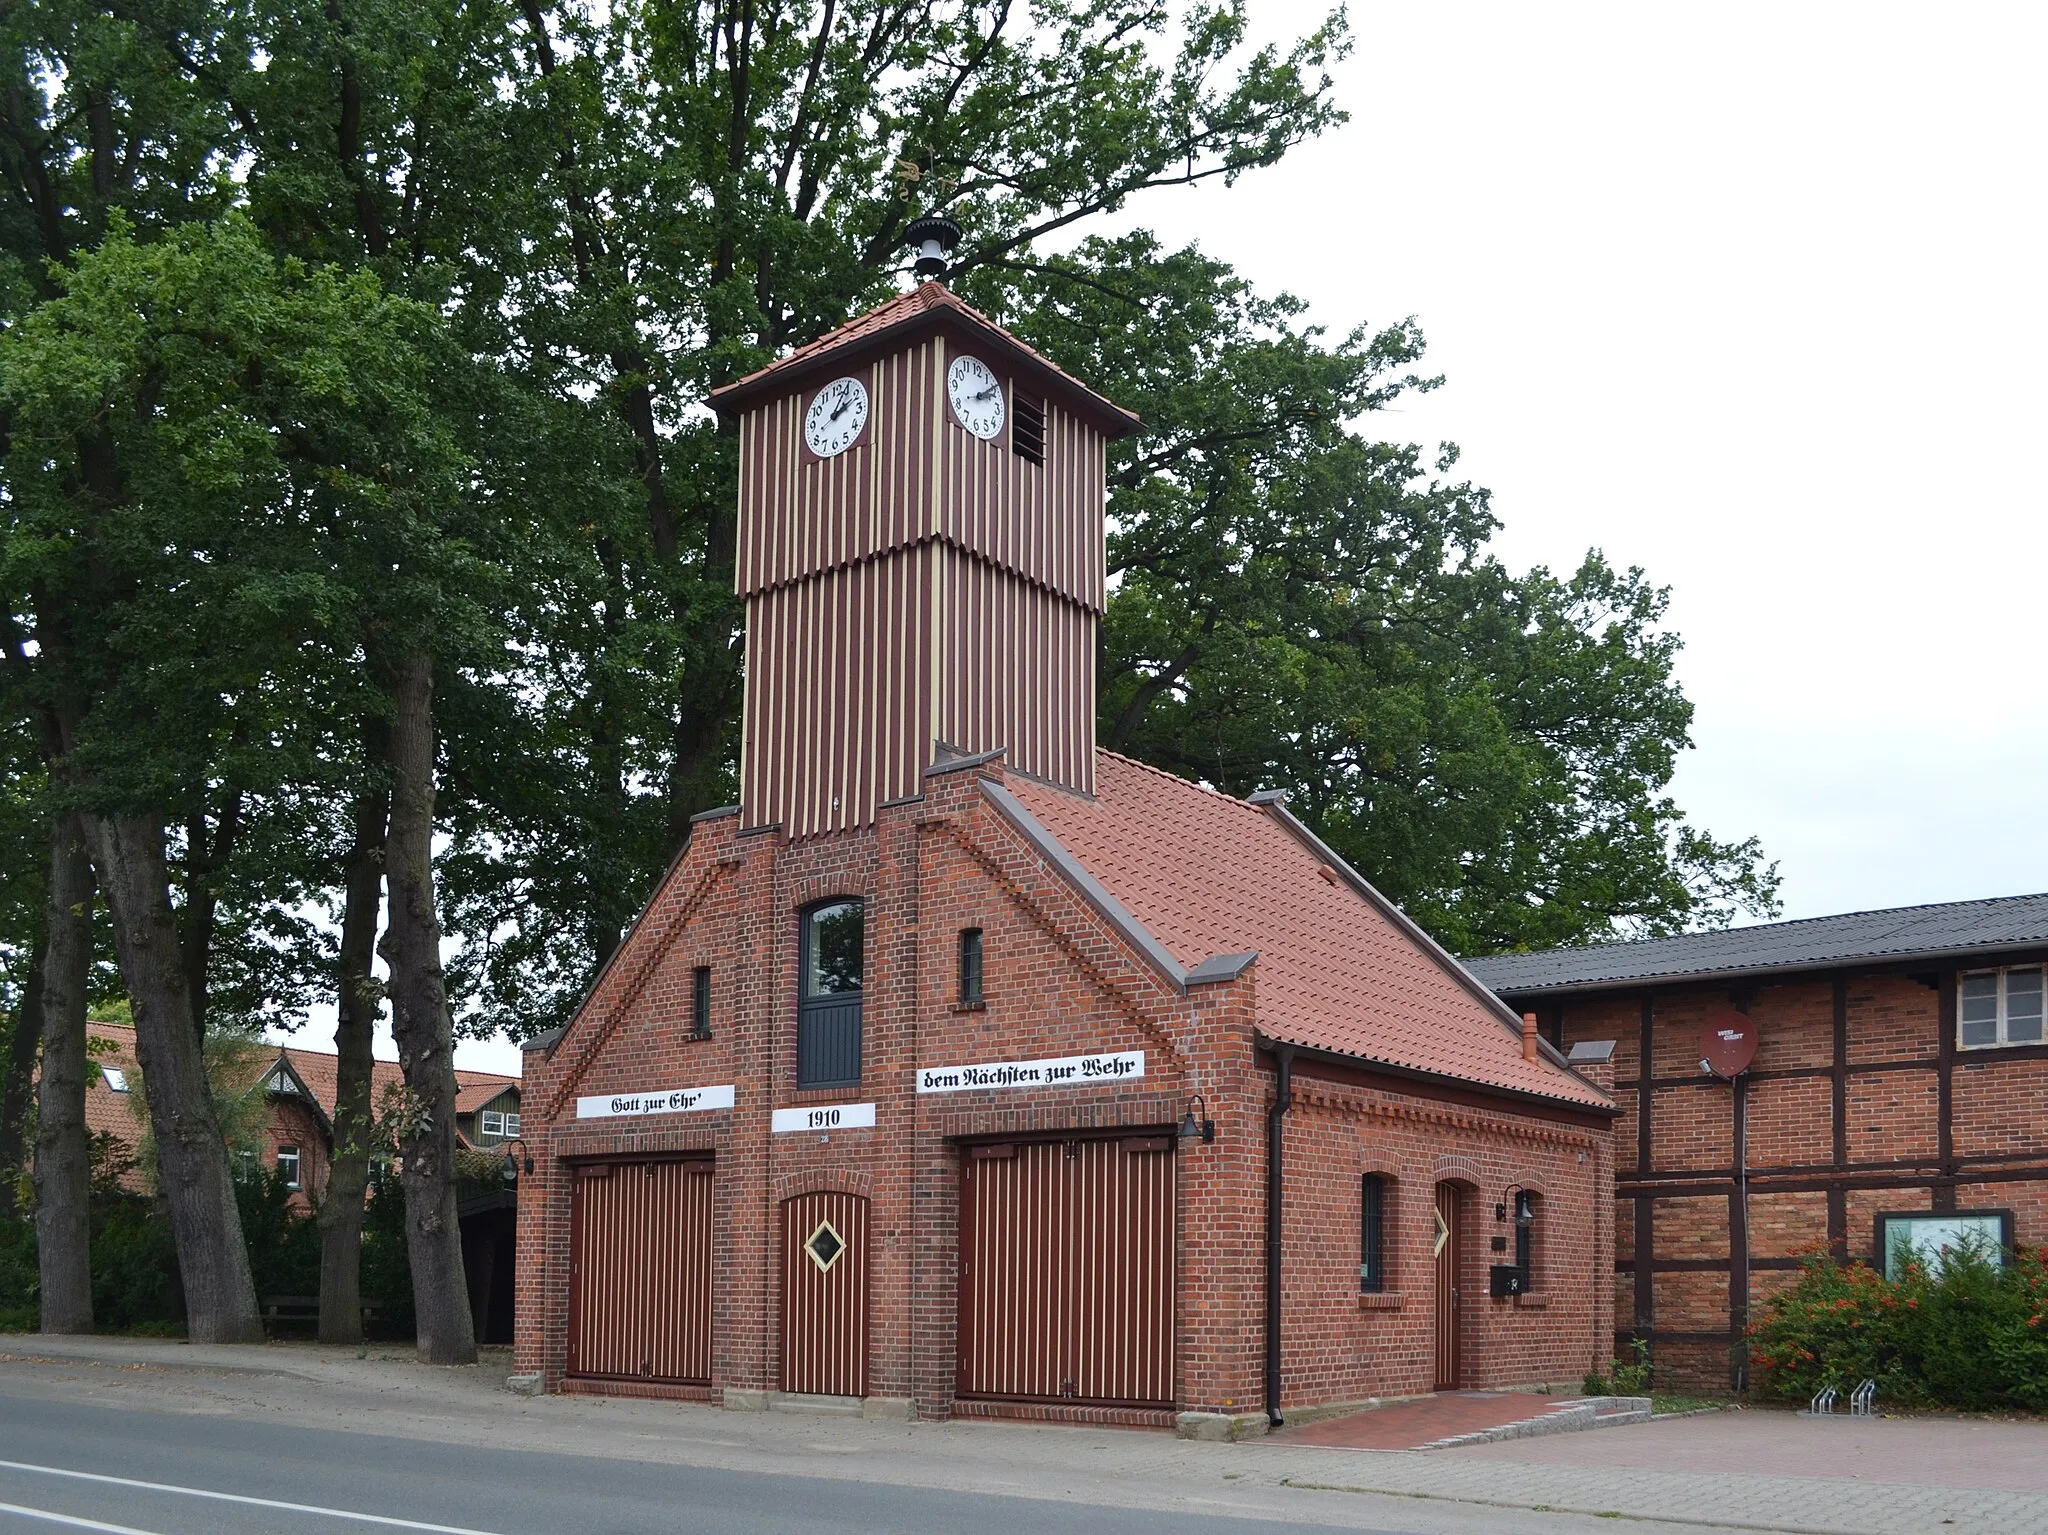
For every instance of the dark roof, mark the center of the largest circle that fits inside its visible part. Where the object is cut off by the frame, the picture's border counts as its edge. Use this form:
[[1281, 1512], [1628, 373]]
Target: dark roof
[[1950, 930]]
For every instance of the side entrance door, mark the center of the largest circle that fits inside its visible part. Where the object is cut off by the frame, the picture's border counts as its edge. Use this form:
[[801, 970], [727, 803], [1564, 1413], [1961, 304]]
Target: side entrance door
[[1449, 1310], [1067, 1271], [640, 1271], [825, 1294]]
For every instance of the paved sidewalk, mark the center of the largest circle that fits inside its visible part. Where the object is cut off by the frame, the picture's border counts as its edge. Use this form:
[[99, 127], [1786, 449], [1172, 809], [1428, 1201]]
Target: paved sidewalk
[[1900, 1477]]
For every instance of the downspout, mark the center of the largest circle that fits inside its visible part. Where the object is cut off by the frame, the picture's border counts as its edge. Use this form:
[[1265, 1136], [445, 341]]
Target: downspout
[[1283, 1100]]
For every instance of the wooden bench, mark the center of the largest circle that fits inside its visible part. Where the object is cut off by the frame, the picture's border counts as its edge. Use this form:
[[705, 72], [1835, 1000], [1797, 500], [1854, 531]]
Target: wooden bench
[[302, 1308]]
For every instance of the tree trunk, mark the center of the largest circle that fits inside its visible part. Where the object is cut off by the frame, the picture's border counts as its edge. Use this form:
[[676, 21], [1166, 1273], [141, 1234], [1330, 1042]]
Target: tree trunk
[[191, 1151], [356, 1009], [420, 1023], [19, 1083], [63, 1163]]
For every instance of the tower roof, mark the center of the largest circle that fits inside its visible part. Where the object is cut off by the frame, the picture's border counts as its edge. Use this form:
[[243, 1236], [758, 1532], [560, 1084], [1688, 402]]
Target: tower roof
[[908, 317]]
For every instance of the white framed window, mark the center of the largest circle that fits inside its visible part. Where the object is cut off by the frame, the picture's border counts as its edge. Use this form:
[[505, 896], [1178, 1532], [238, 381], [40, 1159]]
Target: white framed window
[[288, 1165], [493, 1123], [115, 1078], [1999, 1007], [511, 1124]]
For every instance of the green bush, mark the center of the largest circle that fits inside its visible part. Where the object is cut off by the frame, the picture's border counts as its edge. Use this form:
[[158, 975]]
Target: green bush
[[19, 1283], [1972, 1334], [387, 1263]]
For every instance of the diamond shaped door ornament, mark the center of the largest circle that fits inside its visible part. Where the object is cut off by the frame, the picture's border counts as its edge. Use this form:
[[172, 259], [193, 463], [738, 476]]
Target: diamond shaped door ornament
[[1443, 1234], [825, 1246]]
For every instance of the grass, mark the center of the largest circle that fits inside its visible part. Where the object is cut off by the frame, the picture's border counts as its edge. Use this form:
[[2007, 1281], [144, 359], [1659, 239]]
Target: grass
[[1661, 1403]]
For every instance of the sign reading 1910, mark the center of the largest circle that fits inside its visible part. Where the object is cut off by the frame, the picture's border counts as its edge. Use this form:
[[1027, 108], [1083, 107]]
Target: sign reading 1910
[[824, 1116]]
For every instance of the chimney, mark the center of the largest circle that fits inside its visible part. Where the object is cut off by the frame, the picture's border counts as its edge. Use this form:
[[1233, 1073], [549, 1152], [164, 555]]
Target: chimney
[[1528, 1036], [933, 238]]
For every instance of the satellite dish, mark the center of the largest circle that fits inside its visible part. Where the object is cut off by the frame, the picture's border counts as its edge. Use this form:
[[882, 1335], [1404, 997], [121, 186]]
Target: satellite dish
[[1727, 1043]]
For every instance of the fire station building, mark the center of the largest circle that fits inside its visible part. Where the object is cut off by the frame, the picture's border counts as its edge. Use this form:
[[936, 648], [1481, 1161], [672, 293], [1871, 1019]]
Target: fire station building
[[966, 1069]]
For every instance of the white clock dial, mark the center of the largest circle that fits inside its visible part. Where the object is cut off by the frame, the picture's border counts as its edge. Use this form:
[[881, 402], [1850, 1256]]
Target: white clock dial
[[837, 417], [977, 396]]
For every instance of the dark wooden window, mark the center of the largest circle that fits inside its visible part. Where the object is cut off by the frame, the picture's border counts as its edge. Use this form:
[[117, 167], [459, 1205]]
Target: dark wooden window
[[828, 1022], [288, 1165], [1372, 1243], [1027, 428], [970, 966], [700, 1002]]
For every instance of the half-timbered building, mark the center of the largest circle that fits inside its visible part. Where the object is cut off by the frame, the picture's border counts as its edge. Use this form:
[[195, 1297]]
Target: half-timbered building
[[1892, 1098], [964, 1068]]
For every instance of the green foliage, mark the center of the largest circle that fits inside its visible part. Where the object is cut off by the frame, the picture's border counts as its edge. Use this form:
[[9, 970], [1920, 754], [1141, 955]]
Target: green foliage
[[20, 1285], [1973, 1334], [284, 1243], [1631, 1379], [387, 1262]]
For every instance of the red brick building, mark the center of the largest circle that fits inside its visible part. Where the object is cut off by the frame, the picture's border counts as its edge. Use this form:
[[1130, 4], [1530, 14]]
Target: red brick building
[[966, 1069], [1898, 1092]]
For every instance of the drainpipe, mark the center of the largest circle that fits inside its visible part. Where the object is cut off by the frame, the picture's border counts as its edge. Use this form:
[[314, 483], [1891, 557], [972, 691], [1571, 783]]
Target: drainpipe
[[1283, 1100]]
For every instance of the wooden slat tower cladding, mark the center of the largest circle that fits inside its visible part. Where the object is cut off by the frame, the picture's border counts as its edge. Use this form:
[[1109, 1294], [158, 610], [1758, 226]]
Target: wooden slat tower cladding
[[640, 1299], [922, 587], [1067, 1272], [825, 1294]]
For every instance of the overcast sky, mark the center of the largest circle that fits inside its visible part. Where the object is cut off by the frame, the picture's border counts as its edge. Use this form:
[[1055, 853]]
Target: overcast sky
[[1751, 296]]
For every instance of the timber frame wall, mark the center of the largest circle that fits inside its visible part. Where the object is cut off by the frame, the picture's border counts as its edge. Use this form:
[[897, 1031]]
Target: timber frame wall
[[1859, 1102]]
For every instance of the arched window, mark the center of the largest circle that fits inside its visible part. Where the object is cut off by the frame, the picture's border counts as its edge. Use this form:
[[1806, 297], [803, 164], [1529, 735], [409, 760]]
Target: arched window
[[834, 945]]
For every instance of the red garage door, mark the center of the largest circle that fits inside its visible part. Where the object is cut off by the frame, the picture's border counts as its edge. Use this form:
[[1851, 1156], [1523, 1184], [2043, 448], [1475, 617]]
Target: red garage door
[[640, 1286], [1067, 1271]]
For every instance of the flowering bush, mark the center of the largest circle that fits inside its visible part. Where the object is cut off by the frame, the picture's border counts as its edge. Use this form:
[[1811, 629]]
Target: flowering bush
[[1972, 1333]]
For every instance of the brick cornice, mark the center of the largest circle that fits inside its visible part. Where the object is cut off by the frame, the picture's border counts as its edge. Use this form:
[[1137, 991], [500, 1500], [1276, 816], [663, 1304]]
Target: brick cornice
[[821, 1180]]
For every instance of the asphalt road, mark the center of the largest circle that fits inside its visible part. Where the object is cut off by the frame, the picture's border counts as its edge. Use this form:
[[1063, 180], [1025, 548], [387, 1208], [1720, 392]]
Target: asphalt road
[[79, 1466]]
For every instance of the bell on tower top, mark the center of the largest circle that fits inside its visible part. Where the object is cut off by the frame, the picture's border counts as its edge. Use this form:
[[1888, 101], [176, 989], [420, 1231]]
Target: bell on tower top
[[933, 238]]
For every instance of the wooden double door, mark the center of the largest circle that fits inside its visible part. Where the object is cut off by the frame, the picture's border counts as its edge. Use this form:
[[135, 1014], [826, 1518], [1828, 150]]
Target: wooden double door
[[1067, 1271], [640, 1271]]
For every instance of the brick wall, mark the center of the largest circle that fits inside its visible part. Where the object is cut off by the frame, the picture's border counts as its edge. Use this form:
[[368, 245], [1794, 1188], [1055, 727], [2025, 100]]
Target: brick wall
[[1058, 981]]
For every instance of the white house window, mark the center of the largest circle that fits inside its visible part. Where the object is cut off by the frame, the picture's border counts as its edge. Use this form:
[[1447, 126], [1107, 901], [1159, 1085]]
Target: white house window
[[1999, 1007], [116, 1079], [512, 1124], [288, 1165], [494, 1122]]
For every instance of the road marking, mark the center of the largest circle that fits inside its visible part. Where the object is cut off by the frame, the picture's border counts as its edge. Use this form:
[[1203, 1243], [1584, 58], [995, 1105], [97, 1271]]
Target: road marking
[[222, 1497], [73, 1520]]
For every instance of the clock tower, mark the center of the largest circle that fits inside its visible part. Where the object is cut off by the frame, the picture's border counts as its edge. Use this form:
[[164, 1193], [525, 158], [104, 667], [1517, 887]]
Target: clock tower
[[921, 506]]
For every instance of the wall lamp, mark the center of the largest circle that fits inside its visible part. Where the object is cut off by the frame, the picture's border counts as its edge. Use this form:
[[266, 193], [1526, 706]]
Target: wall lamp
[[510, 1168], [1525, 1207], [1196, 1122]]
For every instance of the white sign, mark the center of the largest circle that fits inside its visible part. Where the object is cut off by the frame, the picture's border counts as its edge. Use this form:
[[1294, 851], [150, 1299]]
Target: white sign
[[1067, 1071], [664, 1100], [824, 1116]]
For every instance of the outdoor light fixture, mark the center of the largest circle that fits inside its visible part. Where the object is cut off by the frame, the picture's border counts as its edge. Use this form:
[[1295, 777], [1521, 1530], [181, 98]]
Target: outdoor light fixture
[[509, 1169], [1525, 1207], [1196, 1121]]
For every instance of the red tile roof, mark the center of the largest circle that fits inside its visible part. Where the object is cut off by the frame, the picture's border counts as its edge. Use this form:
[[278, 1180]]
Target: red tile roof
[[1210, 875], [108, 1110], [906, 309]]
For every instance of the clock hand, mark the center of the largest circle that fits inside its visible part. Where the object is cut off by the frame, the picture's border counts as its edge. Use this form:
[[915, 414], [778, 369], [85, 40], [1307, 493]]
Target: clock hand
[[992, 388], [842, 407]]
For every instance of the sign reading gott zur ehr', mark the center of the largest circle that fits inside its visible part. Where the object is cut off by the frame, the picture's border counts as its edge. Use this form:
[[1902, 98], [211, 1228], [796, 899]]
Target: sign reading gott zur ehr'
[[1067, 1071], [663, 1100]]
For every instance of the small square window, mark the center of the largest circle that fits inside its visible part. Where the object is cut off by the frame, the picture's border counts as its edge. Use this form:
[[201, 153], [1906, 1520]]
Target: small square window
[[493, 1122], [512, 1124], [1999, 1007], [115, 1078]]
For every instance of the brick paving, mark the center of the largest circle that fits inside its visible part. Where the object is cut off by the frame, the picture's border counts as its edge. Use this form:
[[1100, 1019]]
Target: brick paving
[[1423, 1421]]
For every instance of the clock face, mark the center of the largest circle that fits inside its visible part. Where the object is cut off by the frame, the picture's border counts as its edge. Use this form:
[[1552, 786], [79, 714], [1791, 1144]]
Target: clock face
[[837, 417], [977, 396]]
